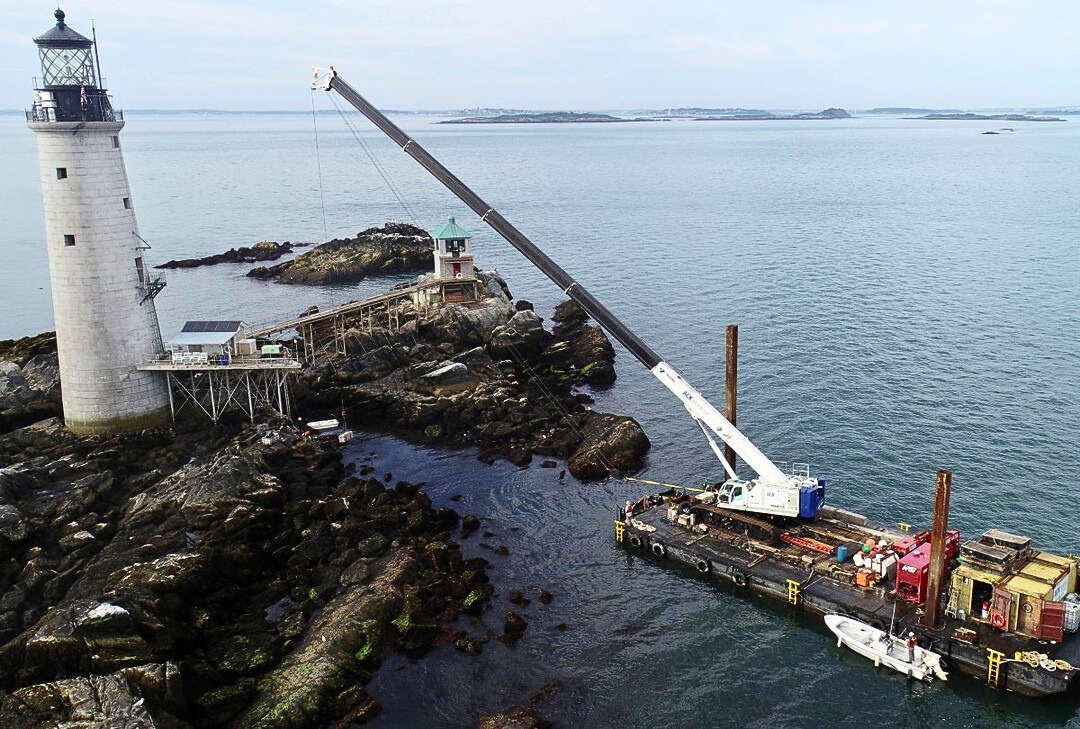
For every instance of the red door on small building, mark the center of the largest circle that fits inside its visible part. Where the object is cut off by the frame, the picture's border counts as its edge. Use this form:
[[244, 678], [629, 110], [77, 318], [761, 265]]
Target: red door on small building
[[1052, 622], [1001, 608], [457, 270]]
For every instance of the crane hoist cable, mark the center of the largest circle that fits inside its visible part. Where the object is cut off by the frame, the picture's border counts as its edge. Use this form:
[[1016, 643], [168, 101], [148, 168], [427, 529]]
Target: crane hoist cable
[[379, 167], [322, 197], [318, 164]]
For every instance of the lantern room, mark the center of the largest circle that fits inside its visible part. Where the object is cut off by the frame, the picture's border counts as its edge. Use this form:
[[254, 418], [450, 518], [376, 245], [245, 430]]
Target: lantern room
[[70, 87]]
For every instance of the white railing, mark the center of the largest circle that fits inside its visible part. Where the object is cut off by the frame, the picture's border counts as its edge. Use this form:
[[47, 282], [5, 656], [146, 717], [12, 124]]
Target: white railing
[[794, 468], [202, 360]]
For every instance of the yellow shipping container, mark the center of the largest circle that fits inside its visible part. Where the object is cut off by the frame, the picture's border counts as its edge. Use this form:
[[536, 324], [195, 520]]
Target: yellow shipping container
[[970, 587], [1043, 578]]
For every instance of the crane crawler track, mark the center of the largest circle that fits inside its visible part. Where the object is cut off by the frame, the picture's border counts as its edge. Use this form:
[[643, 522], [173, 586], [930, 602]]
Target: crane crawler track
[[760, 529]]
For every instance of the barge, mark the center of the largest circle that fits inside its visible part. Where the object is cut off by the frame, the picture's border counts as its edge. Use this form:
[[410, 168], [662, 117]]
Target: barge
[[1010, 612], [803, 563]]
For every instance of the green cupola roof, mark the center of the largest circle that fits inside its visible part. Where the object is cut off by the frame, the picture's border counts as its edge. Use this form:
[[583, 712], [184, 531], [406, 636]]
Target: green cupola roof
[[451, 230]]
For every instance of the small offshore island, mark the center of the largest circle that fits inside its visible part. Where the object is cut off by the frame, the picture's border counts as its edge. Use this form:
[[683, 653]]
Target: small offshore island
[[830, 113], [696, 114], [544, 117], [986, 117]]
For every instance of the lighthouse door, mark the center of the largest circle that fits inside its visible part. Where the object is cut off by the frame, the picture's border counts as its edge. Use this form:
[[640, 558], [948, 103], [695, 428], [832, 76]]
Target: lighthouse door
[[457, 270]]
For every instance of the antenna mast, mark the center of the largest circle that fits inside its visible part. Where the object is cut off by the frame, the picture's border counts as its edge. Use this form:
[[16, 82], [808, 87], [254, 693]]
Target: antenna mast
[[97, 57]]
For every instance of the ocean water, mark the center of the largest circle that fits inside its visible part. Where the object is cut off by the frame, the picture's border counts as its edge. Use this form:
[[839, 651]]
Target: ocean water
[[908, 295]]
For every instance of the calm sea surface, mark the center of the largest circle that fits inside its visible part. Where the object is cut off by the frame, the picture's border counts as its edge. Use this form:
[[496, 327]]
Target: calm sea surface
[[908, 294]]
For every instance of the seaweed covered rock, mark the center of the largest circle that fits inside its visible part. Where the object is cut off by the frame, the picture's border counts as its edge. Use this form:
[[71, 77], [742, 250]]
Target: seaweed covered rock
[[516, 718], [266, 578], [86, 701], [392, 248], [29, 381], [521, 337], [590, 350], [609, 443]]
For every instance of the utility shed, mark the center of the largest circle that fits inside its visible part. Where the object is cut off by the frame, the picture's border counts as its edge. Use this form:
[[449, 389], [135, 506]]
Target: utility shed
[[970, 588], [1027, 599], [211, 337]]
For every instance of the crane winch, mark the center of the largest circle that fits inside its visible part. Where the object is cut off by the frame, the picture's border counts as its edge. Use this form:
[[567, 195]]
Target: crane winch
[[771, 492]]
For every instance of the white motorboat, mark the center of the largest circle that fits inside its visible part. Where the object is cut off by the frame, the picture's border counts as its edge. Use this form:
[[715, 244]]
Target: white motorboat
[[884, 648]]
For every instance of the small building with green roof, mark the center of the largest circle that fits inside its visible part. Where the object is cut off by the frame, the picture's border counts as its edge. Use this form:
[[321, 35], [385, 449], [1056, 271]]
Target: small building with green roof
[[454, 267]]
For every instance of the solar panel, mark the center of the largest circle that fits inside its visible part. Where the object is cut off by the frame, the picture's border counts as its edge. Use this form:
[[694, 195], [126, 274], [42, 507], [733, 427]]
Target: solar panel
[[212, 326]]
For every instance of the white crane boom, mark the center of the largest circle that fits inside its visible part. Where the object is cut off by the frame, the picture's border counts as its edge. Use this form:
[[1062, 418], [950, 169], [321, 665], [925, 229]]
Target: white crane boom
[[703, 411], [772, 492]]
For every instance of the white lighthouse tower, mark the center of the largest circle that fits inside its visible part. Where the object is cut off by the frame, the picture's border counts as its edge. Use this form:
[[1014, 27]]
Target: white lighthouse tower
[[103, 295]]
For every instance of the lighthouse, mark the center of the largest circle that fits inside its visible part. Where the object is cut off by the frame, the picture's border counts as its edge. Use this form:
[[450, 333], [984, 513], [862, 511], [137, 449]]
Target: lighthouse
[[454, 267], [103, 294]]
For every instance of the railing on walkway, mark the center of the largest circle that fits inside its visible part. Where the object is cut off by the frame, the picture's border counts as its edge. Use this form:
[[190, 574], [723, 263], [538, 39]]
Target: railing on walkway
[[185, 361], [306, 319]]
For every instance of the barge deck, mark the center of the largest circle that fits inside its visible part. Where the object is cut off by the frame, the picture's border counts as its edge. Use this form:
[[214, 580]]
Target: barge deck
[[817, 582]]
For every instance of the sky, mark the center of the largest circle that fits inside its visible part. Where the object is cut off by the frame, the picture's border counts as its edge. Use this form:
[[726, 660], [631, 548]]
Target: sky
[[567, 54]]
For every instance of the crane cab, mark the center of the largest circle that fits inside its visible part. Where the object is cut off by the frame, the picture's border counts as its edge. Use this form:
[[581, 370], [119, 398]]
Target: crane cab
[[798, 496]]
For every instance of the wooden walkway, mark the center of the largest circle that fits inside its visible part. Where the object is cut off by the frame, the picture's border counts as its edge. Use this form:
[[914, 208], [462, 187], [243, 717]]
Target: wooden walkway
[[363, 310]]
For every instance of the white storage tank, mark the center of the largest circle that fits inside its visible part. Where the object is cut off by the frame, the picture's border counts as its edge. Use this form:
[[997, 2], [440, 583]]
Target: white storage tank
[[1072, 612], [884, 564]]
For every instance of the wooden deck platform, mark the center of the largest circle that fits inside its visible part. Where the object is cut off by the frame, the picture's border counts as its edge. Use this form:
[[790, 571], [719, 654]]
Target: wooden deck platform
[[236, 363]]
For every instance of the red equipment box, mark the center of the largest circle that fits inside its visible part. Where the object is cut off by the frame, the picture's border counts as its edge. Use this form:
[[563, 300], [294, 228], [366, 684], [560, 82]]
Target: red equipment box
[[912, 574], [913, 571], [908, 543]]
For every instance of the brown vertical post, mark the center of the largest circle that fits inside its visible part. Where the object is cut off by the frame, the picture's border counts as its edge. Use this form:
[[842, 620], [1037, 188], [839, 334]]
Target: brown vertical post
[[937, 548], [731, 392]]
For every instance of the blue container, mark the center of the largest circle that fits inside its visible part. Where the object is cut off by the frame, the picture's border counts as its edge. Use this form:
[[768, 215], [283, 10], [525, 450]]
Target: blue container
[[841, 553]]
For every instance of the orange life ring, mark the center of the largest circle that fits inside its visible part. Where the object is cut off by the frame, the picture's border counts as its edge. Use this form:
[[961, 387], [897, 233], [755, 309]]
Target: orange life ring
[[998, 620]]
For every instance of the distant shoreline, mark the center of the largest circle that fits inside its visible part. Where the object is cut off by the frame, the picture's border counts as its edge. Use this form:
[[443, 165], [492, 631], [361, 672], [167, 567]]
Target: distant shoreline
[[733, 114], [572, 117], [551, 117], [986, 117]]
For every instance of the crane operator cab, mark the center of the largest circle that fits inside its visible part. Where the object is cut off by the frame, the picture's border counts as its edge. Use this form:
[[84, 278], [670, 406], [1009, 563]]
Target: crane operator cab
[[730, 492], [797, 496]]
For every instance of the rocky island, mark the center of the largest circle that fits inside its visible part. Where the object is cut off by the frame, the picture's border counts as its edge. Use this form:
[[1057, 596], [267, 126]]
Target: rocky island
[[987, 117], [695, 113], [831, 113], [266, 250], [542, 117], [208, 576], [392, 248], [487, 374]]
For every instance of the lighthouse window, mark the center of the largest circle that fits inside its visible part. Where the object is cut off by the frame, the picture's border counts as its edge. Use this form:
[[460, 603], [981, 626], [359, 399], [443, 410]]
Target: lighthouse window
[[61, 173], [116, 142], [127, 203], [69, 240]]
